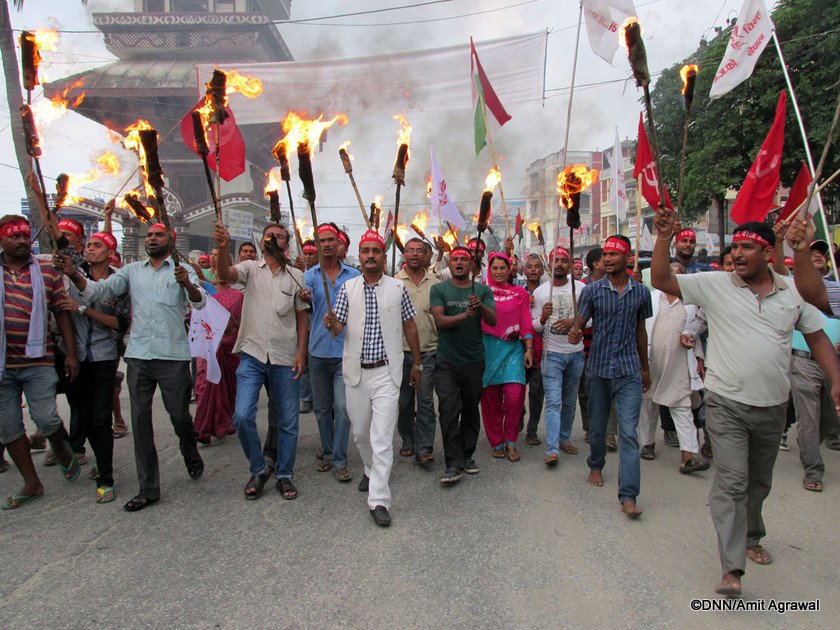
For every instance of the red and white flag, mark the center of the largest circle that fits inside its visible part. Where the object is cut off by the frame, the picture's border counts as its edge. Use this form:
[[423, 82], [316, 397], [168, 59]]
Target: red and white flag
[[749, 36], [603, 21], [442, 204], [798, 192], [759, 188], [231, 144], [618, 191], [207, 327], [646, 167]]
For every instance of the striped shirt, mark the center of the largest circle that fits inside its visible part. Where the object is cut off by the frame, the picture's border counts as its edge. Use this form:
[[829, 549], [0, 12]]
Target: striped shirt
[[614, 317], [17, 311]]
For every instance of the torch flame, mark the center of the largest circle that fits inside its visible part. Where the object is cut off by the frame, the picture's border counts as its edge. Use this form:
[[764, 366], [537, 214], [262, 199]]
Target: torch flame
[[249, 87], [574, 179], [685, 71], [429, 186], [622, 39], [421, 220], [450, 237], [346, 146], [107, 165], [46, 111], [306, 231], [404, 136], [132, 142], [273, 180], [492, 180], [378, 200], [300, 130], [402, 233], [46, 39]]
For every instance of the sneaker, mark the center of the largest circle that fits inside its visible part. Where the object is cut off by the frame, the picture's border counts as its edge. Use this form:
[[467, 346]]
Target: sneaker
[[470, 467], [783, 445], [671, 439], [451, 476], [305, 406]]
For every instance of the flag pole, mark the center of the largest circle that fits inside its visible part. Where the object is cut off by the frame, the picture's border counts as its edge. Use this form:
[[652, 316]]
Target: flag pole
[[804, 141], [638, 221], [496, 166]]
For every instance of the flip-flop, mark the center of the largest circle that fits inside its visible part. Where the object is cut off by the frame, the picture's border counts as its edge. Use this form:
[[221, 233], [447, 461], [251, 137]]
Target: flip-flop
[[71, 472], [759, 554], [814, 485], [19, 500], [105, 494]]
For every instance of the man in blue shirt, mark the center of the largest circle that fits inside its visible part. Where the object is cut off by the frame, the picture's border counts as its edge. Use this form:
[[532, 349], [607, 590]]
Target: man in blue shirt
[[325, 352], [684, 246], [617, 367], [158, 352]]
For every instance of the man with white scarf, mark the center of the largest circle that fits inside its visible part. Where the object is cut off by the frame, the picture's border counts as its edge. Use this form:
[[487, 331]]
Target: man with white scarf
[[676, 362]]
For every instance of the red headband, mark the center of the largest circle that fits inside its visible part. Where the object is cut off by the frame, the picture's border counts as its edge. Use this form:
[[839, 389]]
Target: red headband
[[372, 236], [17, 227], [326, 227], [616, 245], [559, 252], [344, 238], [750, 236], [204, 258], [460, 249], [686, 233], [714, 265], [474, 243], [71, 226], [310, 249], [160, 227], [788, 261], [107, 239], [578, 263]]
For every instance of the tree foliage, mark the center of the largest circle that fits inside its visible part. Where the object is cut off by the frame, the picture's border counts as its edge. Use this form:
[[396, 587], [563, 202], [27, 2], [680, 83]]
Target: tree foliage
[[725, 134]]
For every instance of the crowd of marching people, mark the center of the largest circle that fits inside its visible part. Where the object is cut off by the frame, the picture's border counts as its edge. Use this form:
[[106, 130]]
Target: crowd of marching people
[[709, 355]]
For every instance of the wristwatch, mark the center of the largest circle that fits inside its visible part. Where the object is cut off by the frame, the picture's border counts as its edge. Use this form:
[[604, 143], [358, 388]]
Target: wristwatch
[[82, 309], [419, 368]]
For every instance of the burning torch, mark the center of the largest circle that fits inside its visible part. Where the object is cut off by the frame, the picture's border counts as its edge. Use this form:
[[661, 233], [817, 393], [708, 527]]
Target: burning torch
[[154, 177], [203, 151], [376, 213], [418, 224], [346, 161], [308, 182], [399, 178], [483, 218], [281, 155], [631, 38], [688, 74]]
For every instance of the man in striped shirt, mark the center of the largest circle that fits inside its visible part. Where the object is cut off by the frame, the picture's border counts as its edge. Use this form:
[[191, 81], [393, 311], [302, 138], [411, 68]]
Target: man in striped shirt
[[617, 367], [30, 286]]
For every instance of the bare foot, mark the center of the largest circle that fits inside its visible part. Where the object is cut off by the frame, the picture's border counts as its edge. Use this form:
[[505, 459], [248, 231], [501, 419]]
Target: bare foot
[[630, 508], [595, 478], [730, 584]]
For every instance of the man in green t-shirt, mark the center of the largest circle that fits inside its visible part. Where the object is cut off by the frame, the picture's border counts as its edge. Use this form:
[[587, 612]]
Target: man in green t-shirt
[[459, 307]]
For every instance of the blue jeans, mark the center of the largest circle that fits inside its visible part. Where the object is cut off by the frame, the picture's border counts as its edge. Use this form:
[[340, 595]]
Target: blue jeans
[[37, 383], [330, 408], [561, 377], [627, 391], [251, 376], [305, 386]]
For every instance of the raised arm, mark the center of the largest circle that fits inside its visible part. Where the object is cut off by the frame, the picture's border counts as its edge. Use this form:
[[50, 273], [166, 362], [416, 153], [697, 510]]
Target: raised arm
[[224, 267], [805, 275], [661, 276]]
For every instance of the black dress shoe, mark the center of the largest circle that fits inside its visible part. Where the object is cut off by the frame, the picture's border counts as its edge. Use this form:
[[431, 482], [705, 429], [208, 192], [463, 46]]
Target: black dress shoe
[[380, 516], [364, 484], [196, 469]]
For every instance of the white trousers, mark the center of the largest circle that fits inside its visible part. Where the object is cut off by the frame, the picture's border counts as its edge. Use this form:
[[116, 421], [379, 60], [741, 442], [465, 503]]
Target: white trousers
[[683, 422], [373, 406]]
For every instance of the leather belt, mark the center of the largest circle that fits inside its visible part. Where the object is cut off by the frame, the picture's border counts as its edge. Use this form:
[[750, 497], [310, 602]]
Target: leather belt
[[800, 353], [375, 364]]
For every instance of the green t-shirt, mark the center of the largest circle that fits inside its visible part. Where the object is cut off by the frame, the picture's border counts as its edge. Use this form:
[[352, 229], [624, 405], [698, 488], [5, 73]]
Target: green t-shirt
[[461, 344]]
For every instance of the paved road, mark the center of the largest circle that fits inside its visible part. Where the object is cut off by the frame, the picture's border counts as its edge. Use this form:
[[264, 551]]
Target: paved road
[[516, 546]]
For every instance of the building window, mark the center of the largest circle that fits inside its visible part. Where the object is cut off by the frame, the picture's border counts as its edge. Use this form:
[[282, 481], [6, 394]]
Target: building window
[[189, 6], [154, 6]]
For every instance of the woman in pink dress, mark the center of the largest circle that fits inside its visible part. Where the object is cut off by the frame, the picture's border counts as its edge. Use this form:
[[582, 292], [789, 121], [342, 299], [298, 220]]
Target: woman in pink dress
[[215, 401]]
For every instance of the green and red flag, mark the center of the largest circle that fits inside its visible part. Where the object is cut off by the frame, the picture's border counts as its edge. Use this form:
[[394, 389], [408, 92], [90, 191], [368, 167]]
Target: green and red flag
[[488, 109]]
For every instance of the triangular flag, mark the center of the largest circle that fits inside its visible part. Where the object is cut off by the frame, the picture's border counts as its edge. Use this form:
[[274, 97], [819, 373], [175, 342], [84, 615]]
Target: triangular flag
[[207, 326], [231, 144], [749, 36], [389, 230], [603, 21], [519, 223], [618, 191], [798, 192], [486, 104], [646, 167], [759, 188], [442, 206]]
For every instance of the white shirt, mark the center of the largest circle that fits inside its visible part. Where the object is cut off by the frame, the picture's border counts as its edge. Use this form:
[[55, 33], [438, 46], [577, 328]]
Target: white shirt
[[562, 308]]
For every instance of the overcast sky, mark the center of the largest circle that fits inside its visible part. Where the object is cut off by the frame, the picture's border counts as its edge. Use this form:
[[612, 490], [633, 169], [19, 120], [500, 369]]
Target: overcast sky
[[672, 30]]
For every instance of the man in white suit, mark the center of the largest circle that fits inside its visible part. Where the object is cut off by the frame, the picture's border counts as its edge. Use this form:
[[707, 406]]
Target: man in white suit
[[375, 310]]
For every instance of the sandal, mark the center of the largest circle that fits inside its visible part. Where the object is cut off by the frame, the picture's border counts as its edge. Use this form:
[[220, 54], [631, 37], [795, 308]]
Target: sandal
[[286, 489], [255, 485], [105, 494], [499, 451], [569, 448], [512, 452], [551, 460], [406, 451], [120, 432], [323, 465], [759, 554], [533, 441], [71, 472], [94, 472], [138, 503], [706, 450], [814, 485], [19, 500]]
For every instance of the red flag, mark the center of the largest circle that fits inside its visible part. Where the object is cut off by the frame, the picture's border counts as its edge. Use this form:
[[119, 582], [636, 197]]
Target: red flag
[[759, 188], [646, 167], [231, 144], [798, 192], [519, 222]]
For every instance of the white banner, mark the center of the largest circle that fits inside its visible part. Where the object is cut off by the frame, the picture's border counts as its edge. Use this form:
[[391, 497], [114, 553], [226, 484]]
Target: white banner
[[240, 223], [618, 192], [207, 326], [443, 208], [749, 36], [603, 21]]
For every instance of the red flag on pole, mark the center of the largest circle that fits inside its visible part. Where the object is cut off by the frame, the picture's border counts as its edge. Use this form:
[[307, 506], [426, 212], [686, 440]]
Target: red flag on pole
[[759, 188], [646, 167], [519, 222], [231, 144], [798, 192]]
